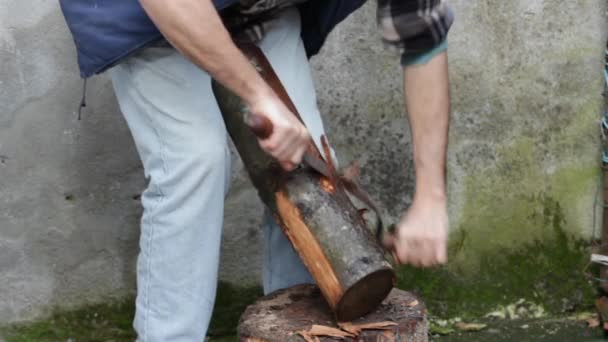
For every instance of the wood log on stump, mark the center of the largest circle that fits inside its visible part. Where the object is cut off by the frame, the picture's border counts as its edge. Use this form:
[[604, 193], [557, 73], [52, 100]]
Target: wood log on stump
[[315, 212], [283, 315]]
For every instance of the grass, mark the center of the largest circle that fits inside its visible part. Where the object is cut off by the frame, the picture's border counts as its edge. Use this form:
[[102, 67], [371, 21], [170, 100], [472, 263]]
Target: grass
[[112, 322]]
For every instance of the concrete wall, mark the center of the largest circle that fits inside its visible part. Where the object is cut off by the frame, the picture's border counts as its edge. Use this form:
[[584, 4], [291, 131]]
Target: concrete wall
[[526, 94]]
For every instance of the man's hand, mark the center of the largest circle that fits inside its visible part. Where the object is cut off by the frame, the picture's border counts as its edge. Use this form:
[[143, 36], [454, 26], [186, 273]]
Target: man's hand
[[195, 29], [421, 236], [289, 138]]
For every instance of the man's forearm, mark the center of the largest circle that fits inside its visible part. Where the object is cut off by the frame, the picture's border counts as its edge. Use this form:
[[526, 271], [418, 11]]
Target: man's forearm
[[195, 29], [428, 102]]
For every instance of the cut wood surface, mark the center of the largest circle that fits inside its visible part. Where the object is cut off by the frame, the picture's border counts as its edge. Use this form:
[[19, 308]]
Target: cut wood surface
[[309, 249], [301, 314]]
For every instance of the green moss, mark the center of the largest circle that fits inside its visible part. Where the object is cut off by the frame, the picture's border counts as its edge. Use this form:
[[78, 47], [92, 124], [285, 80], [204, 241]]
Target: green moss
[[102, 322], [230, 303], [113, 321], [523, 231], [504, 203], [546, 271]]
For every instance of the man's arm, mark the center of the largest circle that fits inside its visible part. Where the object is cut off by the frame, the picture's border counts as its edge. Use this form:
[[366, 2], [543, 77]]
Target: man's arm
[[195, 29], [421, 235]]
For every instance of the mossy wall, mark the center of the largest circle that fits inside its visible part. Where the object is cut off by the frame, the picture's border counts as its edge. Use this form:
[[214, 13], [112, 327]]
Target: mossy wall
[[524, 155]]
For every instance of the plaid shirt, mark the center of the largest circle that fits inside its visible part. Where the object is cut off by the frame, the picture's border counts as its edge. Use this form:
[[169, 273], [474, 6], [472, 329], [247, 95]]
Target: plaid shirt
[[413, 26]]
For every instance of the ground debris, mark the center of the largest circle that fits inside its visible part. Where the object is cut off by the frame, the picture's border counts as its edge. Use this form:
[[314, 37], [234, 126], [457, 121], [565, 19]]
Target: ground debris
[[582, 316], [413, 303], [449, 326], [322, 330], [593, 322], [592, 319], [347, 329], [518, 310], [308, 337], [356, 329], [470, 326]]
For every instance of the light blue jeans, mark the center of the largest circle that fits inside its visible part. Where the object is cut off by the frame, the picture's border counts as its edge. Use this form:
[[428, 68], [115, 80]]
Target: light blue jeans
[[182, 141]]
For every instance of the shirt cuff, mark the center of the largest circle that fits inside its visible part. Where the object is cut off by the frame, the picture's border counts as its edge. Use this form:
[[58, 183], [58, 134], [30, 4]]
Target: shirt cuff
[[424, 57]]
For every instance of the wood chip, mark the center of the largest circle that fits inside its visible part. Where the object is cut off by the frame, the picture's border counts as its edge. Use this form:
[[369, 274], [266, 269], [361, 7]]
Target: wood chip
[[470, 326], [593, 322], [322, 330], [348, 330], [357, 328], [413, 303], [308, 337], [351, 328]]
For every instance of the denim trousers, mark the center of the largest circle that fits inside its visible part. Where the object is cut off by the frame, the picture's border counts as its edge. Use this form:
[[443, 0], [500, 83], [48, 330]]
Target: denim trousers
[[181, 139]]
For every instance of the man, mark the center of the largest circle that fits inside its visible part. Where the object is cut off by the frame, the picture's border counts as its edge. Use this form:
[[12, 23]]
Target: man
[[162, 55]]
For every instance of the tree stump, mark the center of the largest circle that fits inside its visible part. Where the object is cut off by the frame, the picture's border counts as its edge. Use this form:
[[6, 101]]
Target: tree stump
[[279, 317]]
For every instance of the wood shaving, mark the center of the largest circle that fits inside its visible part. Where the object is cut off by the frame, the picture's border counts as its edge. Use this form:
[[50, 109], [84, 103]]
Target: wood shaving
[[308, 337], [356, 329], [347, 329], [593, 322], [413, 303], [322, 330]]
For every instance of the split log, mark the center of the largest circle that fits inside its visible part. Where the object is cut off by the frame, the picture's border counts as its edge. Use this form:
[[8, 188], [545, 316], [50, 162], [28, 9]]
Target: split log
[[315, 212], [288, 315]]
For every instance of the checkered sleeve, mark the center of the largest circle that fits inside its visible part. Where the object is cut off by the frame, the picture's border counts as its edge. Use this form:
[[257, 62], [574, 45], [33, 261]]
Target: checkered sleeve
[[417, 27]]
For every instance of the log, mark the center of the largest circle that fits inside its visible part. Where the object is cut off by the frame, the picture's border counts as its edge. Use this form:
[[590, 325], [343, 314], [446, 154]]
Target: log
[[315, 212], [282, 317]]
